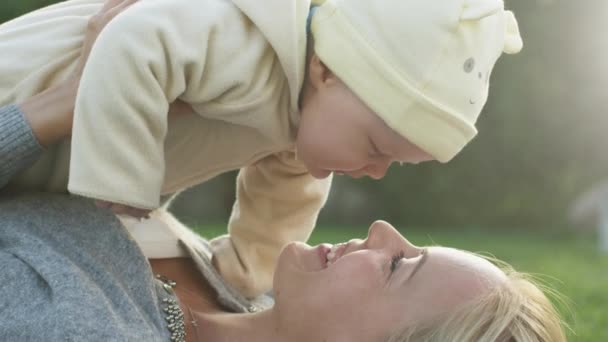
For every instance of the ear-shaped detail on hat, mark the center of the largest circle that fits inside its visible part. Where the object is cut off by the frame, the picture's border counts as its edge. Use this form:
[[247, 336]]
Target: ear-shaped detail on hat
[[478, 9], [513, 41]]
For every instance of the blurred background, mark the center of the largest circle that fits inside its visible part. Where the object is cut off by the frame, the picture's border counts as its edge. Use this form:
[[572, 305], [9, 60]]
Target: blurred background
[[527, 189]]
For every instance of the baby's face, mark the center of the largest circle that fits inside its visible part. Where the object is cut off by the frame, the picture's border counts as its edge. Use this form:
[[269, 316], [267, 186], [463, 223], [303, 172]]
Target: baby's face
[[339, 133]]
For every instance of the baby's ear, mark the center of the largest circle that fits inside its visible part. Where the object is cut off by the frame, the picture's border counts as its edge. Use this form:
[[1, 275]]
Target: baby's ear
[[314, 70], [479, 9], [318, 71], [513, 41]]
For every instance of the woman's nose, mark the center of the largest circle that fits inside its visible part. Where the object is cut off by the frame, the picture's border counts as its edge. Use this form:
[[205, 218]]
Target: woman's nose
[[383, 235]]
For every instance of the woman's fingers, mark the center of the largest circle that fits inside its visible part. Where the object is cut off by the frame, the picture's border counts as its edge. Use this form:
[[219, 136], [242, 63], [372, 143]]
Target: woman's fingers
[[130, 211], [95, 25], [103, 204], [110, 10], [108, 5], [121, 209], [120, 7]]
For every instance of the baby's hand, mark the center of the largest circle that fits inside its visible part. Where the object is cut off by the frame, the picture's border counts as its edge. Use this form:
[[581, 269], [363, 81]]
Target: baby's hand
[[121, 209]]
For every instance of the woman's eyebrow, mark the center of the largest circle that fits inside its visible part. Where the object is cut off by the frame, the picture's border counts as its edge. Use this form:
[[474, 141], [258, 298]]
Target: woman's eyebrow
[[425, 256]]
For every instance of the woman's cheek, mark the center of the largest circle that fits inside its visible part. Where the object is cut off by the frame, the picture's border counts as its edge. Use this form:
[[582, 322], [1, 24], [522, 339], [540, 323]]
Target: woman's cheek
[[358, 273]]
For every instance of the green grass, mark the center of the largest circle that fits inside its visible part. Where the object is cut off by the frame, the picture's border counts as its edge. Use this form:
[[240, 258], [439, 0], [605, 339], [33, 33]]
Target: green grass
[[569, 264]]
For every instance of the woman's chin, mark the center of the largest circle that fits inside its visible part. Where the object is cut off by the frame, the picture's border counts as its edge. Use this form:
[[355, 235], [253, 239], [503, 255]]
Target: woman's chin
[[300, 257]]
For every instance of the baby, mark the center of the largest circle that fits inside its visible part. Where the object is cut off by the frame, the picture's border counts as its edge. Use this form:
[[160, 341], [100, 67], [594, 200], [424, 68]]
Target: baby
[[381, 81]]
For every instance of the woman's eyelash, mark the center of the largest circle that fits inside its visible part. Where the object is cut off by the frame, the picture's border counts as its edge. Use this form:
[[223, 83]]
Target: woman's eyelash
[[395, 260]]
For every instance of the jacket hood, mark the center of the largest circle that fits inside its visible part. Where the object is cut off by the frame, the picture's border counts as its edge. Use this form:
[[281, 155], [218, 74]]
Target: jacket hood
[[283, 23]]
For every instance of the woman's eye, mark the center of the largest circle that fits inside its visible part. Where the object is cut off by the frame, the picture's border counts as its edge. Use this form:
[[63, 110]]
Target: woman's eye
[[395, 260]]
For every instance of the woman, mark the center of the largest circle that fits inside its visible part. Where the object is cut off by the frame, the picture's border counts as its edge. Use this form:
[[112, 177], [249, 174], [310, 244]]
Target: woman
[[71, 271]]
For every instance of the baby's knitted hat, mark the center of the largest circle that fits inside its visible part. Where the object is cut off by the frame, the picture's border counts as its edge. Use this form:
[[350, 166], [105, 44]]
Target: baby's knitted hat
[[422, 65]]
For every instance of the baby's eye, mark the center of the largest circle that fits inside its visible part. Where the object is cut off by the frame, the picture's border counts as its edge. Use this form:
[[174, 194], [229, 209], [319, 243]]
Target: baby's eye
[[395, 260], [374, 151]]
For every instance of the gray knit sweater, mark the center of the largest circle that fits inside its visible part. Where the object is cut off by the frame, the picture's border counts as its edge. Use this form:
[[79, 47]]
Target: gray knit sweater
[[18, 145], [71, 271]]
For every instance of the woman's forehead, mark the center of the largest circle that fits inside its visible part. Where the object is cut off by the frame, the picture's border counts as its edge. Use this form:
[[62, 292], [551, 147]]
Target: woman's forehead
[[458, 265], [448, 278]]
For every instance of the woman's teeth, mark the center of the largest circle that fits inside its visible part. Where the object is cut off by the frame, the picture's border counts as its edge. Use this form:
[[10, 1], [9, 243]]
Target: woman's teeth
[[332, 253]]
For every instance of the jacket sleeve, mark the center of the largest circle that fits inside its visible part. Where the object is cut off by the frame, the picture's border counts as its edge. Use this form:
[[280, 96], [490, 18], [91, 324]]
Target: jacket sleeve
[[19, 148], [146, 58], [277, 202]]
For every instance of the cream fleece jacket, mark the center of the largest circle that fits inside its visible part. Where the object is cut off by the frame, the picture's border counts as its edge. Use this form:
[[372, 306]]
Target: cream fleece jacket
[[239, 65]]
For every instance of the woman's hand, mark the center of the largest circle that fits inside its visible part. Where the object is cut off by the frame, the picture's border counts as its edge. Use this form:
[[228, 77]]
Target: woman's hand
[[95, 25], [51, 112], [121, 209]]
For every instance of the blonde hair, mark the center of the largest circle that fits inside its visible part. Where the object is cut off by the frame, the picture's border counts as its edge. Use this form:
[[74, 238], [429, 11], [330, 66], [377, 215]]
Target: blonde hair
[[516, 311]]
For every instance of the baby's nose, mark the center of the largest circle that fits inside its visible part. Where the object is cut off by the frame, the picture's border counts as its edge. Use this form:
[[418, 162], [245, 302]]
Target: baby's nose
[[378, 170]]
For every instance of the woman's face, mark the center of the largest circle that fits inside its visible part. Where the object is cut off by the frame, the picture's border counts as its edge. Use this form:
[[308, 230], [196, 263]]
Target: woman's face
[[365, 289]]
